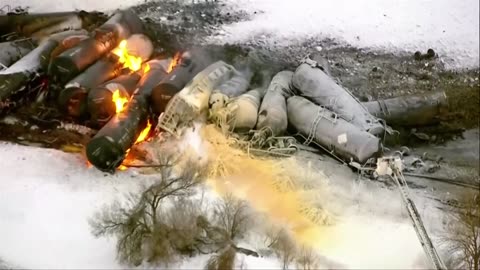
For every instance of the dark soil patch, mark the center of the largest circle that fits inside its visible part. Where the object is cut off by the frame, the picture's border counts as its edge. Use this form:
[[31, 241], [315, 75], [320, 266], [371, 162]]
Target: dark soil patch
[[40, 126]]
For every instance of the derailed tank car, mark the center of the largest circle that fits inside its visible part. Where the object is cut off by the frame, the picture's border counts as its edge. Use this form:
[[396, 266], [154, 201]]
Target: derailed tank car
[[313, 83], [273, 110], [106, 37], [335, 134], [108, 148], [190, 64]]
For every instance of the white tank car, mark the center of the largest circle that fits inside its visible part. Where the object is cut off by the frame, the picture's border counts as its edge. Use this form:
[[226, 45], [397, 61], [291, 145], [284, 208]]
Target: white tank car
[[192, 101], [335, 134]]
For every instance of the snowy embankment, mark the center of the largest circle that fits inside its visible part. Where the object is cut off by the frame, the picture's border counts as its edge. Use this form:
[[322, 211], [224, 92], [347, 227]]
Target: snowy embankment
[[451, 28]]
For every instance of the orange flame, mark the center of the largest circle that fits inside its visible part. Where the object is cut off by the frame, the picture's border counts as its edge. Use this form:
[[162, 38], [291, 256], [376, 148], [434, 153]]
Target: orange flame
[[175, 61], [144, 133], [129, 61], [146, 69], [119, 101], [122, 168]]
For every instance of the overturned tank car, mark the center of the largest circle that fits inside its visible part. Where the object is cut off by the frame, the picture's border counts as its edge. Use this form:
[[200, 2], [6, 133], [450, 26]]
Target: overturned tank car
[[416, 110], [273, 110], [336, 135], [313, 83], [108, 148], [192, 101]]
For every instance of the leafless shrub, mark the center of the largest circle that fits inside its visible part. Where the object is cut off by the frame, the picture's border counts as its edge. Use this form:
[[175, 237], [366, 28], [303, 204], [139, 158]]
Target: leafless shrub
[[183, 217], [283, 245], [225, 260], [233, 215], [463, 238], [142, 232], [307, 259], [243, 264], [127, 224]]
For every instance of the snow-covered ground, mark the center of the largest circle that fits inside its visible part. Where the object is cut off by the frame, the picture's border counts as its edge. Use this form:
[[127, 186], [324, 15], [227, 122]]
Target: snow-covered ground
[[449, 27], [46, 196]]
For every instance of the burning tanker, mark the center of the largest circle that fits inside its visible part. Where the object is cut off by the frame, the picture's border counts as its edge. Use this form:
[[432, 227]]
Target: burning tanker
[[107, 150], [180, 72], [72, 99], [106, 37], [104, 101], [104, 79], [130, 54]]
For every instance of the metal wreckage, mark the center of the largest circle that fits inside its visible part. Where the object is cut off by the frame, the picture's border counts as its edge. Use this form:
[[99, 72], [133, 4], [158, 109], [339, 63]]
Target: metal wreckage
[[105, 72]]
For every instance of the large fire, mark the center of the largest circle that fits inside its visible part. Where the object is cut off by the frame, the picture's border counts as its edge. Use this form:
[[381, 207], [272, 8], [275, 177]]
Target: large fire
[[175, 61], [146, 69], [120, 105], [119, 101], [129, 61], [143, 135]]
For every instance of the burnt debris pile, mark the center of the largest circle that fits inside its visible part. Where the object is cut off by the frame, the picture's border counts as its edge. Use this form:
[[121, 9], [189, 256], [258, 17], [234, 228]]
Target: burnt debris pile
[[108, 73]]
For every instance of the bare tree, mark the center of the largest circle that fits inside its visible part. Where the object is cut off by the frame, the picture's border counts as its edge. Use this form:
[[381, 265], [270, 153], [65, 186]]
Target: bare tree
[[307, 259], [463, 237], [141, 232], [243, 264], [233, 215], [127, 223], [232, 218], [225, 260], [283, 245]]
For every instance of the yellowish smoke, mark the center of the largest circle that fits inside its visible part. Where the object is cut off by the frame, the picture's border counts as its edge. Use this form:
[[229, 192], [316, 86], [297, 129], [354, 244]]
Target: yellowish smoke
[[267, 184]]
